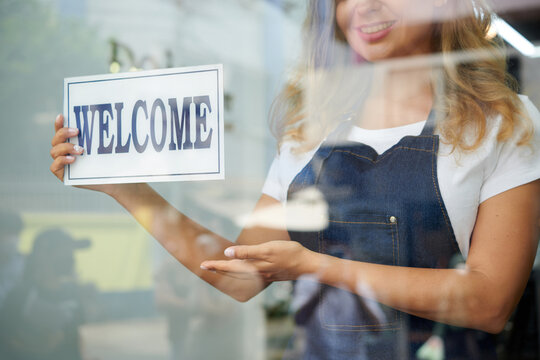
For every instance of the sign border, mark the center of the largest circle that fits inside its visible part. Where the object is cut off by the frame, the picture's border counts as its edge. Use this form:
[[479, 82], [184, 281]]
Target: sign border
[[218, 69]]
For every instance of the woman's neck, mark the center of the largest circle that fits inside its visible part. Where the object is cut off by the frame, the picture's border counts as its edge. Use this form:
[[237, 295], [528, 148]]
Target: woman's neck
[[397, 97]]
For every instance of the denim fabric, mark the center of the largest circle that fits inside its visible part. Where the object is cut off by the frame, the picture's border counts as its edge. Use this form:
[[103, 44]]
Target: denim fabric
[[383, 209]]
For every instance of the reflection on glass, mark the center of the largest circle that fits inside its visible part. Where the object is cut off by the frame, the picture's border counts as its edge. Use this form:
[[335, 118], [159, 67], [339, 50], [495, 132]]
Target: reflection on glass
[[47, 306], [406, 178], [196, 315]]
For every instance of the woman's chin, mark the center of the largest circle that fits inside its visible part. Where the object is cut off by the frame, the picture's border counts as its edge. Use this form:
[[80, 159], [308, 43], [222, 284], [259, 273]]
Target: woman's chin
[[372, 54], [372, 57]]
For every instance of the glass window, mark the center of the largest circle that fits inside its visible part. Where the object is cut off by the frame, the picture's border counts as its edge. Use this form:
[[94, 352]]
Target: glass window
[[381, 166]]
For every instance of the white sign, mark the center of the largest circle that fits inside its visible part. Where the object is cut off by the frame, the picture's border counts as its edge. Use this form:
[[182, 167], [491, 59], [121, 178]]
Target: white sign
[[162, 125]]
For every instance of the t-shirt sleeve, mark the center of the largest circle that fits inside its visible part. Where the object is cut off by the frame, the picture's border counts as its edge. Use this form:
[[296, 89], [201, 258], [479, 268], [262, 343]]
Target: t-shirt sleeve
[[284, 168], [272, 186], [515, 165]]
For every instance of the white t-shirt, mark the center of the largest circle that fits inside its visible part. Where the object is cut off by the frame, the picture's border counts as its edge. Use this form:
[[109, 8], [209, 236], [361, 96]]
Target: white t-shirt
[[466, 179]]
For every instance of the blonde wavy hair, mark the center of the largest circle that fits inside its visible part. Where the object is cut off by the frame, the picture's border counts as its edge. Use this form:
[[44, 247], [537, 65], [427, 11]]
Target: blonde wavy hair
[[467, 93]]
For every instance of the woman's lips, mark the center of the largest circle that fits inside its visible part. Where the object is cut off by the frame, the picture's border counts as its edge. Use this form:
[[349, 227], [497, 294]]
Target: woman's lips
[[375, 31]]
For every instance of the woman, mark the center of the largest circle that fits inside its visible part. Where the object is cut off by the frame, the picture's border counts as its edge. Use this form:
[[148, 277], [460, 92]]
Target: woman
[[401, 204]]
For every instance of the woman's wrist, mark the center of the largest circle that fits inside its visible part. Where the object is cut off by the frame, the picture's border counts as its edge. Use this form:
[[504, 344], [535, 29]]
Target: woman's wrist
[[119, 191], [310, 263]]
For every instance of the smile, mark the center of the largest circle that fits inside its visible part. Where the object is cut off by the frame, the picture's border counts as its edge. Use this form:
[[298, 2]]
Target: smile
[[376, 28]]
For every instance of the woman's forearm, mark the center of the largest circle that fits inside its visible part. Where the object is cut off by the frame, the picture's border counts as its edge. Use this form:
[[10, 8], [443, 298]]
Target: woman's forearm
[[186, 240], [459, 297], [483, 294]]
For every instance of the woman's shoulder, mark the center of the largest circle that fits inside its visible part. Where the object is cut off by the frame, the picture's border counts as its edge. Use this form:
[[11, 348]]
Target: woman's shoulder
[[286, 164], [530, 109], [512, 162], [291, 152], [531, 121], [527, 127], [528, 105]]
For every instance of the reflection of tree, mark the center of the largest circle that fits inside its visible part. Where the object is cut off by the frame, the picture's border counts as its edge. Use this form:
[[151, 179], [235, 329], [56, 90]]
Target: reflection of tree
[[39, 49]]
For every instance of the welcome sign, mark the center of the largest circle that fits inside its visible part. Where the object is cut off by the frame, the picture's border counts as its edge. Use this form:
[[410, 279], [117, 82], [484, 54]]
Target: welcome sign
[[162, 125]]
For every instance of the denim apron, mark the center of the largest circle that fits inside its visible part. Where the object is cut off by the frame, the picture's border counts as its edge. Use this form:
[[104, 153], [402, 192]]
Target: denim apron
[[384, 209]]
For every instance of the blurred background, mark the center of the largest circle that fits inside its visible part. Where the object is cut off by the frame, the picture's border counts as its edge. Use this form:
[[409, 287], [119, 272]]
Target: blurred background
[[79, 278]]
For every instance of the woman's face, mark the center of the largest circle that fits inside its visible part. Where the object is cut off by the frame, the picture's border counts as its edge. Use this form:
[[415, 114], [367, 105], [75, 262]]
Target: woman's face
[[383, 29]]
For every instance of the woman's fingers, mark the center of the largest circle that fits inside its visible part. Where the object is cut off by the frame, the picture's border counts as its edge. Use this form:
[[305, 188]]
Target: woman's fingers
[[230, 266], [63, 152], [65, 149], [57, 166], [235, 266], [58, 123], [242, 269], [63, 134], [261, 251]]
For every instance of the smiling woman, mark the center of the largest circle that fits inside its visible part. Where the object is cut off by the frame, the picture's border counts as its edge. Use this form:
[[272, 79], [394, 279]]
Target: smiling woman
[[403, 126], [389, 29]]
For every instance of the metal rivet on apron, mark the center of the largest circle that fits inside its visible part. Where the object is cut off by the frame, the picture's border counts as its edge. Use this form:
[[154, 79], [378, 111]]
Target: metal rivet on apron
[[393, 219]]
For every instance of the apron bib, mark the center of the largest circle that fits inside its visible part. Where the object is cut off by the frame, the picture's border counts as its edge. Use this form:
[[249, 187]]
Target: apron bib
[[384, 209]]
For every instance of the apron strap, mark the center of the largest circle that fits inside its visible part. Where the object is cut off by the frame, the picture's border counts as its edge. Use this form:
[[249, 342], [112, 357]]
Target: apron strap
[[429, 127], [337, 137]]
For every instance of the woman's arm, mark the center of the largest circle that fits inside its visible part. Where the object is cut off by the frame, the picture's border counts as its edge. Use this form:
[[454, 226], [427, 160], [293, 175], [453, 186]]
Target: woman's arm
[[189, 242], [485, 291], [481, 295]]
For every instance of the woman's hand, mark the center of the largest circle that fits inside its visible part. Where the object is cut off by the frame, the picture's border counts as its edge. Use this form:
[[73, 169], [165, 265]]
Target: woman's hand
[[272, 261], [64, 153]]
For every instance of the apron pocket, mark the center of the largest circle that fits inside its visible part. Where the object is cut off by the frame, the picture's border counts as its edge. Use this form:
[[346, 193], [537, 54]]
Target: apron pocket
[[369, 238]]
